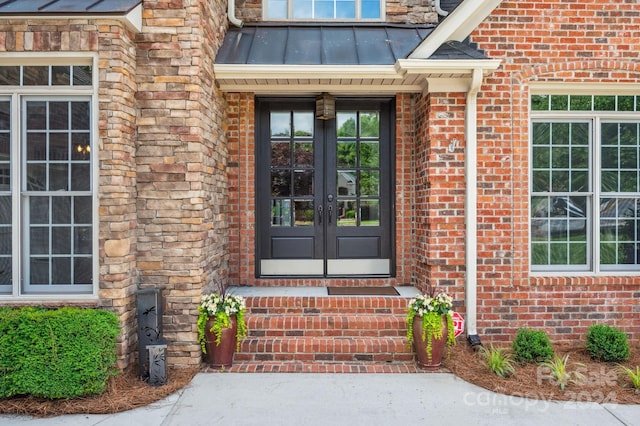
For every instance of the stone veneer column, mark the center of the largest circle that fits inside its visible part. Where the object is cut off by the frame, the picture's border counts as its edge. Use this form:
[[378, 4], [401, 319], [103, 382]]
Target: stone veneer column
[[181, 164]]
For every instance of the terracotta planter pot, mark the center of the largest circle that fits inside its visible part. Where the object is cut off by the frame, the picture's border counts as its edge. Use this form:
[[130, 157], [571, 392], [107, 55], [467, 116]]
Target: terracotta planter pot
[[221, 356], [438, 346]]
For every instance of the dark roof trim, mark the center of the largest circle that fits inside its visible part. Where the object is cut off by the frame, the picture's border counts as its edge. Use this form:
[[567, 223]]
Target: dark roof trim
[[27, 7], [127, 11]]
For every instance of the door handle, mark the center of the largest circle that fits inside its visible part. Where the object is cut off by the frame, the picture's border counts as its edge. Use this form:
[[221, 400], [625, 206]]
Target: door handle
[[320, 215], [330, 210]]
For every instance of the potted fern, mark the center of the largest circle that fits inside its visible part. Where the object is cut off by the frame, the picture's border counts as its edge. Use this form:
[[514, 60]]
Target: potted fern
[[221, 326], [430, 327]]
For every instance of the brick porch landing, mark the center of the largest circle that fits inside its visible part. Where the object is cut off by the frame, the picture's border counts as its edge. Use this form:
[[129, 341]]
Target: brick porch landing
[[303, 329]]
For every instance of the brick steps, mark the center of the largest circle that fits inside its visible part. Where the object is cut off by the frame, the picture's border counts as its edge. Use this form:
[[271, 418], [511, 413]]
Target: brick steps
[[325, 334], [323, 325], [346, 349]]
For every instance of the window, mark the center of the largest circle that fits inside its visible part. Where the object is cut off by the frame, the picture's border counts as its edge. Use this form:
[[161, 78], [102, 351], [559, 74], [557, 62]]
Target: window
[[585, 183], [323, 10], [46, 188]]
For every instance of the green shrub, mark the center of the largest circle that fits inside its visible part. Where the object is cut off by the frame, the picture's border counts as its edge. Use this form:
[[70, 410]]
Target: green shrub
[[61, 353], [607, 343], [531, 346]]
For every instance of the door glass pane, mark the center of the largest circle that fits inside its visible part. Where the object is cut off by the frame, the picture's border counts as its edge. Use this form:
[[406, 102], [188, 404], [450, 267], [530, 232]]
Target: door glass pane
[[347, 212], [369, 124], [346, 154], [280, 213], [303, 155], [304, 213], [280, 124], [369, 183], [303, 124], [346, 180], [369, 154], [303, 182], [280, 183], [346, 124], [280, 154], [370, 213]]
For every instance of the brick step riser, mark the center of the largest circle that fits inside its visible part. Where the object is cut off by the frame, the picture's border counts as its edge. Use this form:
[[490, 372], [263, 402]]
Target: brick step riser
[[326, 325], [327, 305], [391, 349]]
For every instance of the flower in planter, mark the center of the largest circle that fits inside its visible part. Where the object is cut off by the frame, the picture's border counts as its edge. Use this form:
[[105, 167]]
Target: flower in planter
[[430, 308], [221, 307]]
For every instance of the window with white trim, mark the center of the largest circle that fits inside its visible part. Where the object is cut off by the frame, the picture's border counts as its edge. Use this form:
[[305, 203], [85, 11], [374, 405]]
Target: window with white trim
[[585, 183], [47, 195], [323, 10]]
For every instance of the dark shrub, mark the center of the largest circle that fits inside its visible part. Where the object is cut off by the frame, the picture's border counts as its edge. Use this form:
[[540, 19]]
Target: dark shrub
[[607, 343], [532, 346], [61, 353]]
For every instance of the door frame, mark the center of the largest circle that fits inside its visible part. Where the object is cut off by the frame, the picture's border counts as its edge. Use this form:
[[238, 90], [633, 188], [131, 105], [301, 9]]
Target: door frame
[[263, 104]]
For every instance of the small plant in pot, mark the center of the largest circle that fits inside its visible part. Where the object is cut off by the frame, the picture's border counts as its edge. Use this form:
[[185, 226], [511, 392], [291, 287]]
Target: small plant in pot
[[430, 327], [221, 326]]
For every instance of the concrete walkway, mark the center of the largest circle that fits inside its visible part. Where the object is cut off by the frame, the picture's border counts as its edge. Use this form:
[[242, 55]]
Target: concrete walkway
[[349, 399]]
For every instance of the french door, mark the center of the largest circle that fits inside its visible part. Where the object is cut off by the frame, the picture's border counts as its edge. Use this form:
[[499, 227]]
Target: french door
[[324, 189]]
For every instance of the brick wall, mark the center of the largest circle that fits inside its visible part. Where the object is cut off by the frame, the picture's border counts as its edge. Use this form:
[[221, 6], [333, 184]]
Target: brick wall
[[587, 42], [181, 164], [440, 193], [242, 217]]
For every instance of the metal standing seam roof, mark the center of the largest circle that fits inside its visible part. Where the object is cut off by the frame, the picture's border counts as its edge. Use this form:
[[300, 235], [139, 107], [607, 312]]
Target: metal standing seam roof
[[26, 7], [331, 45], [319, 44]]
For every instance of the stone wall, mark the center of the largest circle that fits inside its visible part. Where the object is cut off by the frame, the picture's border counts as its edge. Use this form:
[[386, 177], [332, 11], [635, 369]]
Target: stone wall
[[116, 147], [181, 164]]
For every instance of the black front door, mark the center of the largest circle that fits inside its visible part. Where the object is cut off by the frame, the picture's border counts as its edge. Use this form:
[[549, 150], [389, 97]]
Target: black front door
[[324, 189]]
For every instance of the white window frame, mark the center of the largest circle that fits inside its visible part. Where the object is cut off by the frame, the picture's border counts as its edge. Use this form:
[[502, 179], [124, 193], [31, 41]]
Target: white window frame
[[595, 119], [358, 17], [17, 96]]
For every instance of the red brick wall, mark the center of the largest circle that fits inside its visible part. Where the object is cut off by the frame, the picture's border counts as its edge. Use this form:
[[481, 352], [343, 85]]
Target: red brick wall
[[557, 41], [242, 243], [440, 193]]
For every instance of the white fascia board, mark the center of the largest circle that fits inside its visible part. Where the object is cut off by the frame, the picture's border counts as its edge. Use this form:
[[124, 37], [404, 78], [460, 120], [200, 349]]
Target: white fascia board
[[280, 72], [453, 66], [456, 26], [132, 19]]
